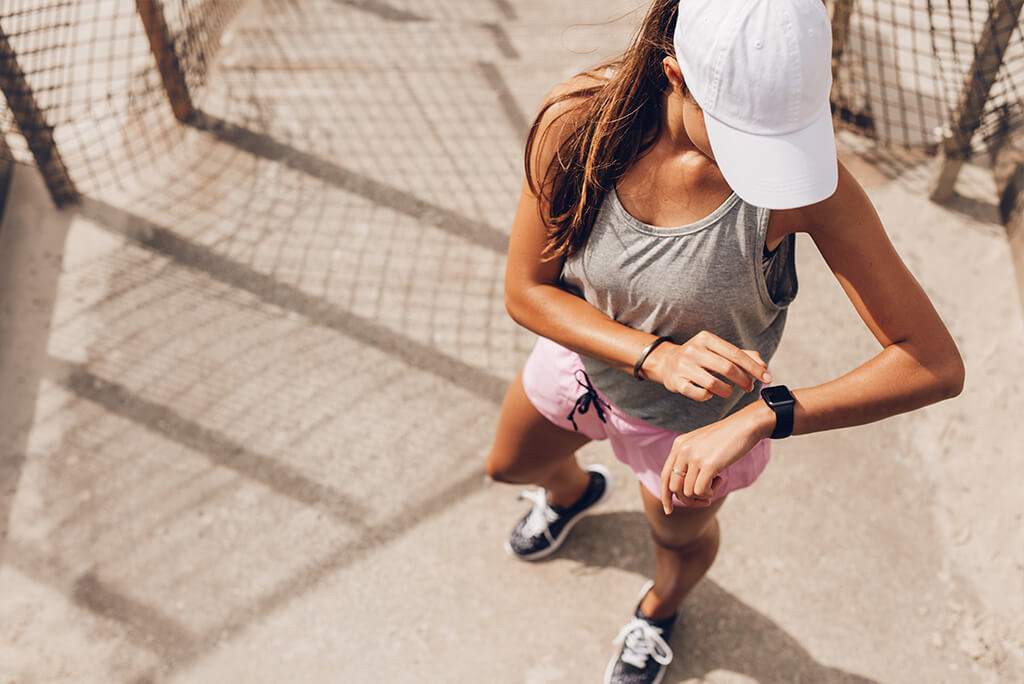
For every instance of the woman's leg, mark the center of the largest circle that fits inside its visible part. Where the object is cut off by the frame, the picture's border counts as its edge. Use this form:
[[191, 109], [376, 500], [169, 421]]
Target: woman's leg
[[529, 449], [685, 545]]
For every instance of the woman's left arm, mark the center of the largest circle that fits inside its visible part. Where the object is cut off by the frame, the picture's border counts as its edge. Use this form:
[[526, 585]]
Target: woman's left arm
[[919, 363]]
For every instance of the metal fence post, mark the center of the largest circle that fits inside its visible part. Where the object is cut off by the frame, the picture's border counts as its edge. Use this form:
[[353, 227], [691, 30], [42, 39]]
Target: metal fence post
[[839, 12], [33, 125], [1008, 169], [158, 33], [988, 58]]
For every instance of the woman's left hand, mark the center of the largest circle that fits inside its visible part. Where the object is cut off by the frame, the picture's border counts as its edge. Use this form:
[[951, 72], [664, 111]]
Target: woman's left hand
[[700, 455]]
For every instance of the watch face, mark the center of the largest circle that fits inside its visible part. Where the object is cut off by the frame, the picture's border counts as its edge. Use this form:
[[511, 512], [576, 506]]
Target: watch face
[[777, 395]]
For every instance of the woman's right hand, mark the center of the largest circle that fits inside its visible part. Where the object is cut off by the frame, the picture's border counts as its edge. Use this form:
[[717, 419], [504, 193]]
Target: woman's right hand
[[687, 368]]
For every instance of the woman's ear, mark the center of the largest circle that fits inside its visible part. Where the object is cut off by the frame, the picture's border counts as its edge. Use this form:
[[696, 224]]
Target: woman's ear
[[672, 72]]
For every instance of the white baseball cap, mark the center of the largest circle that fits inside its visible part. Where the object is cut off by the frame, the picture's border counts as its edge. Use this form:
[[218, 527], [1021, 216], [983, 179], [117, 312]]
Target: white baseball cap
[[761, 71]]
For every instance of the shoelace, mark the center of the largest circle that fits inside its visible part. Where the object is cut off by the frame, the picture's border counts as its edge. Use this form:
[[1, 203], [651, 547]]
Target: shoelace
[[643, 640], [541, 515], [586, 400]]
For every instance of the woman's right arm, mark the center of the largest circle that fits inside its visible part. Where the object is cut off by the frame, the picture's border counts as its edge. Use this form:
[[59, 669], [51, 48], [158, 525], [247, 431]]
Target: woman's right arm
[[534, 299]]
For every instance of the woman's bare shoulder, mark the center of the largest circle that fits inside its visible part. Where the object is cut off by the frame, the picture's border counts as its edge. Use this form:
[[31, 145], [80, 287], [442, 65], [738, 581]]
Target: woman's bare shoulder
[[570, 97], [581, 82], [564, 109]]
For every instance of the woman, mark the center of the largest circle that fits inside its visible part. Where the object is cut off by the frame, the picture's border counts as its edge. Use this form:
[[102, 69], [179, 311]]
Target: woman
[[652, 252]]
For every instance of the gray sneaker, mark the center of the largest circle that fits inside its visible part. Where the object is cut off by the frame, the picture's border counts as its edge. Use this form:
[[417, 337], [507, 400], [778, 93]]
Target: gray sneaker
[[645, 653], [541, 531]]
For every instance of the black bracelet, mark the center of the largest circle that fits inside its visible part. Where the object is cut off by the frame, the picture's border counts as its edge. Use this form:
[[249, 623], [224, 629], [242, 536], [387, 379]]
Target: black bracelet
[[645, 353]]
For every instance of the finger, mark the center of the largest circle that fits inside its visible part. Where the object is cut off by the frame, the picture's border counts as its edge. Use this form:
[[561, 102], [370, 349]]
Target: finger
[[756, 354], [690, 480], [671, 480], [702, 485], [767, 376], [675, 480], [691, 391], [716, 484], [666, 493], [718, 387], [725, 368], [693, 502], [754, 366], [688, 501]]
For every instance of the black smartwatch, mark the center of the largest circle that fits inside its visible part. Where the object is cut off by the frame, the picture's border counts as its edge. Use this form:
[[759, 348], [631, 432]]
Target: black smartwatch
[[780, 400]]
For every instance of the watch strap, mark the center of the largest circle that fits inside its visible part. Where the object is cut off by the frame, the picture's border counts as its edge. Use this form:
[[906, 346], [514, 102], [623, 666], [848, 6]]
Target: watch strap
[[783, 421]]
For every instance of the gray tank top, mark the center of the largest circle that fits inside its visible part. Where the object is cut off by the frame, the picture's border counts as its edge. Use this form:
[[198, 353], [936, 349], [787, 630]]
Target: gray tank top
[[709, 275]]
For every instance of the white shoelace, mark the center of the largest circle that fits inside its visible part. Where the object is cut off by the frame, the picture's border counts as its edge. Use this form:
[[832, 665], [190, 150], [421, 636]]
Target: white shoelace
[[541, 515], [643, 640]]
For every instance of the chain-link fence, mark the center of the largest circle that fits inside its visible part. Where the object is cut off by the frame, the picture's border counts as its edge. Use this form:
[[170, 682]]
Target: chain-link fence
[[87, 82], [920, 73]]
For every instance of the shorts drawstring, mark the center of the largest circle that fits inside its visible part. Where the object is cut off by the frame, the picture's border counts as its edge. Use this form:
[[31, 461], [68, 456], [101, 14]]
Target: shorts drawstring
[[586, 400]]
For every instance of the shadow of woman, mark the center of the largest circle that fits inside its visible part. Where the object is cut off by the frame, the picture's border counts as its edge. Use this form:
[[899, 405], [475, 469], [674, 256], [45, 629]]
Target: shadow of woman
[[715, 630]]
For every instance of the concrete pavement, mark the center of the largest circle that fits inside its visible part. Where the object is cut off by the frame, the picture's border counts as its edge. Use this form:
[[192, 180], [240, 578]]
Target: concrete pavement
[[246, 402]]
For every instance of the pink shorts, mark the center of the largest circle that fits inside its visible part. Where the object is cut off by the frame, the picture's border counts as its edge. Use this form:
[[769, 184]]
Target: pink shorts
[[550, 381]]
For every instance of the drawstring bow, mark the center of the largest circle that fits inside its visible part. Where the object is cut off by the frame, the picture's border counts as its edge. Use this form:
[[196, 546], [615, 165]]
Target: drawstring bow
[[586, 400]]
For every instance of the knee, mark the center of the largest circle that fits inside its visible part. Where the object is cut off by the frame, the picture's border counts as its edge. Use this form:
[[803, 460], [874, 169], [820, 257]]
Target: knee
[[704, 545], [500, 469]]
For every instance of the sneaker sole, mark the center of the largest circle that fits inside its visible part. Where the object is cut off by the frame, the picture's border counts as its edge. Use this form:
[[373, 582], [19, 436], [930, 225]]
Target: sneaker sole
[[611, 666], [537, 555]]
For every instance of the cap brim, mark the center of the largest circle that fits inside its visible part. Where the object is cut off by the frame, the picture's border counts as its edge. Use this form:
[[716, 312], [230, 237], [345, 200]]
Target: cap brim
[[778, 171]]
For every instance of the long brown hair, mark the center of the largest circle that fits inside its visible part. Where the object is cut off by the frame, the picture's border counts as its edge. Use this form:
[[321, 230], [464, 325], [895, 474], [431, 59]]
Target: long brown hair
[[620, 121]]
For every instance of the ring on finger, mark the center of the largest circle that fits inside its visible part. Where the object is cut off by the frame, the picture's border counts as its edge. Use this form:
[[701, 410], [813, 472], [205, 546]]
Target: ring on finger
[[680, 473]]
